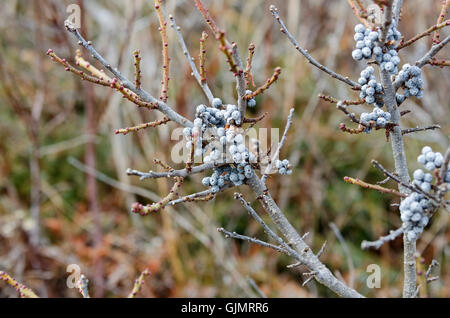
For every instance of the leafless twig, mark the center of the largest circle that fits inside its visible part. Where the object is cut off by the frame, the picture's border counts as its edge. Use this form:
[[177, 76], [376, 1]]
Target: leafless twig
[[417, 129], [384, 239], [280, 145], [347, 253], [144, 95], [311, 60], [195, 72], [256, 288]]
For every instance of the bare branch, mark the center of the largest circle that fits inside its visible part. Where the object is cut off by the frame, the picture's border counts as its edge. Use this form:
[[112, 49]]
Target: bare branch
[[138, 283], [433, 264], [308, 280], [384, 239], [266, 85], [204, 86], [252, 240], [352, 116], [398, 149], [23, 290], [202, 57], [423, 34], [416, 293], [418, 129], [248, 69], [267, 229], [165, 51], [232, 54], [156, 206], [280, 145], [360, 11], [240, 81], [174, 173], [344, 102], [307, 257], [311, 60], [373, 187], [440, 63], [151, 124], [347, 253], [408, 186], [163, 107], [256, 288], [432, 52], [442, 15], [137, 67], [205, 195], [322, 249], [397, 10], [387, 20]]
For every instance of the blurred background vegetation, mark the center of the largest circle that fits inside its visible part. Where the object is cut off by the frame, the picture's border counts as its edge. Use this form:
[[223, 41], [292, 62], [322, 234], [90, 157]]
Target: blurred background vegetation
[[60, 158]]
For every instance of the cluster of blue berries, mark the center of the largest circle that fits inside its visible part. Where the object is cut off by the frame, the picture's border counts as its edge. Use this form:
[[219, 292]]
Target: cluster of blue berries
[[422, 180], [208, 117], [367, 45], [251, 102], [217, 179], [413, 213], [227, 174], [378, 116], [431, 160], [241, 157], [393, 34], [283, 167], [218, 115], [370, 89], [388, 61], [237, 149], [414, 208], [214, 118], [224, 142], [365, 42], [217, 139], [411, 80]]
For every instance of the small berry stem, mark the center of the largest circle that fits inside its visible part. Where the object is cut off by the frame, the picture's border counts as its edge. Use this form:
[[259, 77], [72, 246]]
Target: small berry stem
[[373, 187], [23, 290], [248, 69], [138, 283], [165, 51], [202, 57], [441, 17], [155, 207], [441, 63], [207, 16], [423, 34], [418, 129], [344, 102], [353, 131], [360, 12], [137, 69], [152, 124], [267, 84]]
